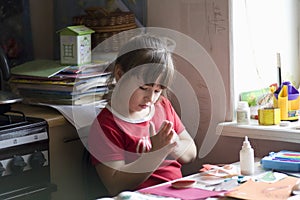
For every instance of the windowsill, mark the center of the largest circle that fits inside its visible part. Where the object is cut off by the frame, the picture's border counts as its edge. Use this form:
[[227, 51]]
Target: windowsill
[[289, 133]]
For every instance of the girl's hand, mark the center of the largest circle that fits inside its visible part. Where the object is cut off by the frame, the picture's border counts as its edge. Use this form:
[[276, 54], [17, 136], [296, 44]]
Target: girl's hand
[[162, 140]]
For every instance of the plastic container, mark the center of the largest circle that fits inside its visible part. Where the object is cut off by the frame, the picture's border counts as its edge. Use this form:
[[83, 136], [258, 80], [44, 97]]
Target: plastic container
[[243, 113], [282, 161], [287, 99], [247, 158]]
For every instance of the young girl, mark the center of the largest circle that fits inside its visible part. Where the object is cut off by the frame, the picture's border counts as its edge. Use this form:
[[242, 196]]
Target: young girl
[[138, 140]]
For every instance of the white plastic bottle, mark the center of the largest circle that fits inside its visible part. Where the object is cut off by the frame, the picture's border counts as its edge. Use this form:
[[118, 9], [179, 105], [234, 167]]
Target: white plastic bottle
[[243, 113], [247, 158]]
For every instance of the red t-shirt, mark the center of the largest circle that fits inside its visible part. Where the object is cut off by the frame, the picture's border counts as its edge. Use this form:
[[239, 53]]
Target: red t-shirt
[[111, 139]]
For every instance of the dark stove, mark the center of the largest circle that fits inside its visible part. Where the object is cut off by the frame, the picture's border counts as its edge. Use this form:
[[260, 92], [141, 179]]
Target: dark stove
[[24, 157], [9, 120], [24, 148]]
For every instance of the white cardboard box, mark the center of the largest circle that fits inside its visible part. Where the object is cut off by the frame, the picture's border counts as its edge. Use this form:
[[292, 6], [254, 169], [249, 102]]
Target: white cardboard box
[[75, 45]]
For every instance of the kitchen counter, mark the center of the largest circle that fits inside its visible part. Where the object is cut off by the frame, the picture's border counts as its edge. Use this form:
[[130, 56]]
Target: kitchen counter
[[52, 116]]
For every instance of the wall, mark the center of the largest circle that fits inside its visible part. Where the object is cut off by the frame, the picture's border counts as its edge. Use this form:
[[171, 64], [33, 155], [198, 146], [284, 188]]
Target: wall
[[41, 13], [49, 16], [207, 21]]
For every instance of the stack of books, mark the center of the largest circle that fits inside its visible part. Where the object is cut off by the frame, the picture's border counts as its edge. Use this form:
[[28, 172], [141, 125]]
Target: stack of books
[[47, 81]]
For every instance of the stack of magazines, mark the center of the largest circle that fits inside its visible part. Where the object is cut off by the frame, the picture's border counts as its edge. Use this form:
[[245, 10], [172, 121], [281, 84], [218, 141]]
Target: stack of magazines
[[47, 81]]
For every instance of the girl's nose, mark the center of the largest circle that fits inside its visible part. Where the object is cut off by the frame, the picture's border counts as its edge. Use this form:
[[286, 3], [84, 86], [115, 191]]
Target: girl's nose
[[150, 96]]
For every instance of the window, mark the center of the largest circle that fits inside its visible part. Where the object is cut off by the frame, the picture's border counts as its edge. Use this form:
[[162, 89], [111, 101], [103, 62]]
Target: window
[[261, 29]]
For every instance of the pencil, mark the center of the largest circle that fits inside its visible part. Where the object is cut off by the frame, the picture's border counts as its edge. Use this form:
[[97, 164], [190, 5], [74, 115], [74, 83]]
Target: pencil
[[279, 69]]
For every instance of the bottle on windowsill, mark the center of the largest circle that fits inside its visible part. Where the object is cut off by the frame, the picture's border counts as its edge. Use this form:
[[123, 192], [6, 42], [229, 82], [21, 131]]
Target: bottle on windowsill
[[243, 113]]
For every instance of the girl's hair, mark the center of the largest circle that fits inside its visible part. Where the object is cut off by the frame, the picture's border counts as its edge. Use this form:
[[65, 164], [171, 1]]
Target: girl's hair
[[152, 55]]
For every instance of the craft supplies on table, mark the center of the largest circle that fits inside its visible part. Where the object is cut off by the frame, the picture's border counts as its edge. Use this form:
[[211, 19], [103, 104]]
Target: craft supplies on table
[[282, 160], [253, 190], [222, 181], [247, 158]]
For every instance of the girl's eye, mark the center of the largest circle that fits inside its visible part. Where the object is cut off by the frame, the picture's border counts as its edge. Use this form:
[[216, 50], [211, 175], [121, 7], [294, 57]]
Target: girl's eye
[[142, 88], [146, 88]]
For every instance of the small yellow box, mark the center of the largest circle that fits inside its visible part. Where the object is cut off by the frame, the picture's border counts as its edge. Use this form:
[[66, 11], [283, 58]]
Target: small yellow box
[[269, 116]]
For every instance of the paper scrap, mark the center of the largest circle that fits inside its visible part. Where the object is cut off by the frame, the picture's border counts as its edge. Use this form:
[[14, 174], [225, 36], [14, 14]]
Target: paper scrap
[[252, 190], [185, 194], [271, 177]]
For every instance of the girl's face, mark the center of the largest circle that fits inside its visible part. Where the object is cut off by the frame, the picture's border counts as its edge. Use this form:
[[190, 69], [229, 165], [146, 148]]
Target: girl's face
[[132, 97], [144, 96]]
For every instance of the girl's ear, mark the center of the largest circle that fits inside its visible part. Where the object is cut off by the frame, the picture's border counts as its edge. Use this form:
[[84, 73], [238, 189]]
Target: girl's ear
[[118, 72]]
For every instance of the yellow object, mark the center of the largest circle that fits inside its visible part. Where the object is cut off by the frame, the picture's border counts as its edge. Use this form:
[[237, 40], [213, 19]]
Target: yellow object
[[269, 116], [286, 99]]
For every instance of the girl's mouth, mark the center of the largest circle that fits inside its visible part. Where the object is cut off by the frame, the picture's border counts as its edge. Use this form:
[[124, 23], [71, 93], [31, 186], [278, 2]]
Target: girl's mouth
[[144, 106]]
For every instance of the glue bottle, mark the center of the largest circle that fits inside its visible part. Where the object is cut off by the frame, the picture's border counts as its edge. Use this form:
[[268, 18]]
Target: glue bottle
[[247, 158]]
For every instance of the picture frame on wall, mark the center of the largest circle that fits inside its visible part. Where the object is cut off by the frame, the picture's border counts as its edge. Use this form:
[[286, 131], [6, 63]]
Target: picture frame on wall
[[15, 31]]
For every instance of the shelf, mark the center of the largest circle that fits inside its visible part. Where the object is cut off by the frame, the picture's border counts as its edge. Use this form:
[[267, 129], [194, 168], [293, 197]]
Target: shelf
[[290, 133]]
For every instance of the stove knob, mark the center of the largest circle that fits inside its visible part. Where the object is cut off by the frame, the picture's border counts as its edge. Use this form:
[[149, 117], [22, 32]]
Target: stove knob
[[37, 160], [17, 164], [2, 169]]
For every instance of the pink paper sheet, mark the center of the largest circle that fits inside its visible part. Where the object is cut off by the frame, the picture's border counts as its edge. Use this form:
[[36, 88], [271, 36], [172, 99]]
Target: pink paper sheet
[[185, 194]]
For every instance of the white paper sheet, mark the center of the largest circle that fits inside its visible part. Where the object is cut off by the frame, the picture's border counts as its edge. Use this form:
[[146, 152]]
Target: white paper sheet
[[80, 116]]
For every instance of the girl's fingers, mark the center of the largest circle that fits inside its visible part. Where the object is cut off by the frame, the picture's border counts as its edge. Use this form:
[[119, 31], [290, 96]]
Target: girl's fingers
[[152, 129], [163, 138], [166, 127], [162, 126]]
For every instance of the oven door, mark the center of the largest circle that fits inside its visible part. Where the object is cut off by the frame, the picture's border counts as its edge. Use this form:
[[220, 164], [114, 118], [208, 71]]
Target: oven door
[[37, 192], [30, 184], [25, 172]]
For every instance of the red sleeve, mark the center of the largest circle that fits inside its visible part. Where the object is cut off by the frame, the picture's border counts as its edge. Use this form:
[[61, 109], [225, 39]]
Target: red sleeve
[[105, 142]]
